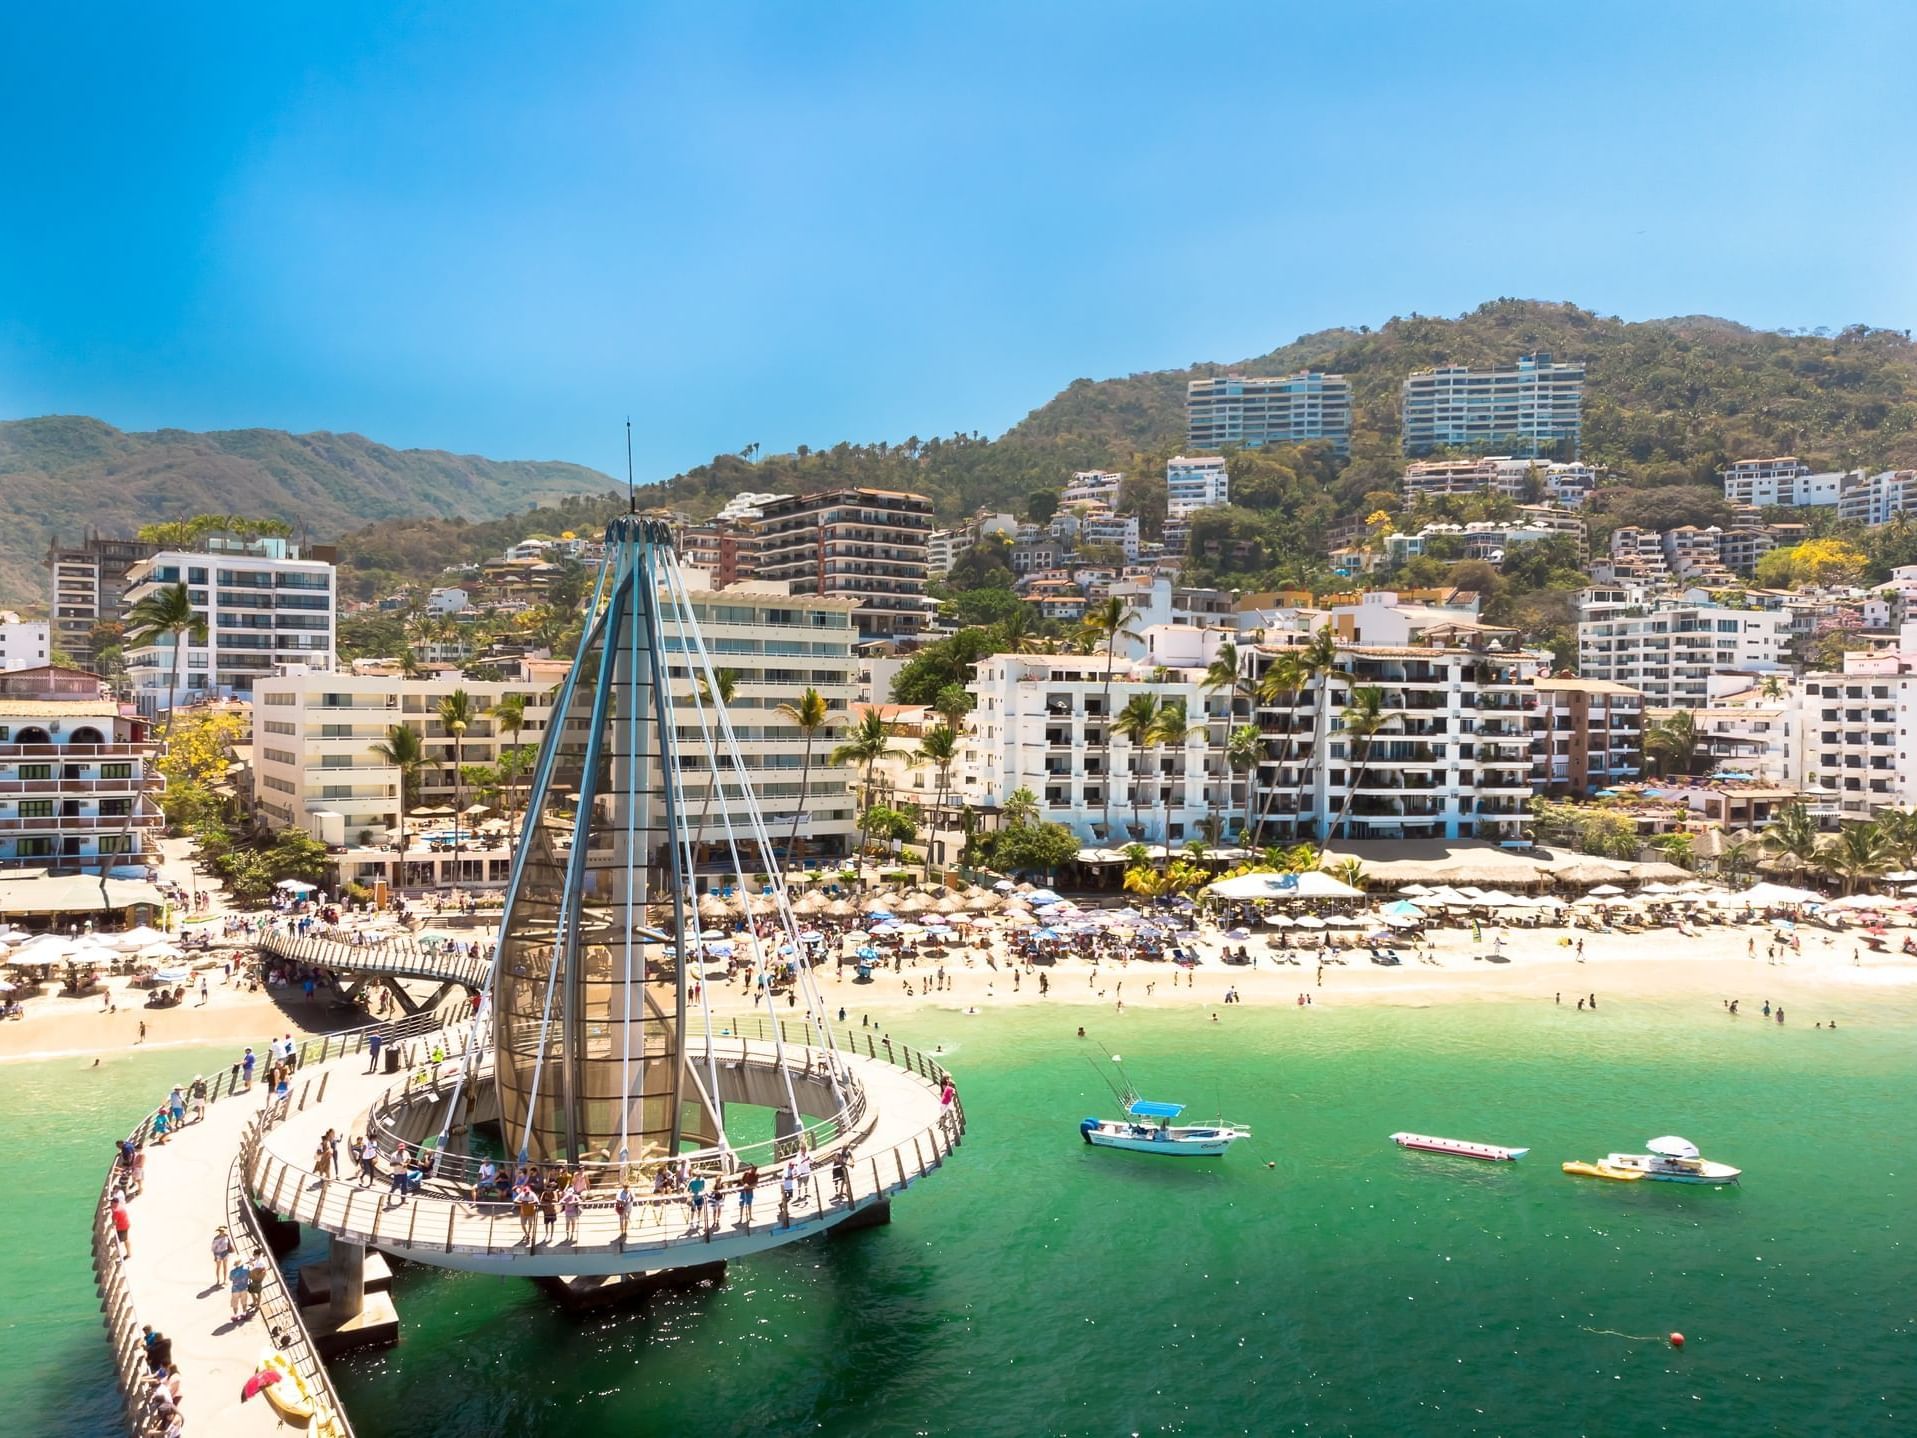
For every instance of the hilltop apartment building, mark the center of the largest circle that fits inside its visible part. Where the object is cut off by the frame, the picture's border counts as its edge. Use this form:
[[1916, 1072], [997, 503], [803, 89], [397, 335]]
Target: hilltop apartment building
[[88, 587], [264, 606], [1260, 410], [1669, 649], [1533, 408], [866, 545]]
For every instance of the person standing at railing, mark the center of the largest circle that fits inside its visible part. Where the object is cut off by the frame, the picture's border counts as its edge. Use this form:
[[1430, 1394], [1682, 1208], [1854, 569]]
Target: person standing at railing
[[622, 1208], [842, 1177], [802, 1174], [569, 1206], [748, 1181]]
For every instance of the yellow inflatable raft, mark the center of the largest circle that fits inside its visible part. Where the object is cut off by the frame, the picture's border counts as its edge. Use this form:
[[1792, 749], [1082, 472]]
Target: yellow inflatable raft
[[1602, 1170]]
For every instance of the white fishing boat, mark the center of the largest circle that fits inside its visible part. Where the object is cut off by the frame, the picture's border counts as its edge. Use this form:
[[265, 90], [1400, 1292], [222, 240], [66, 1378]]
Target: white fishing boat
[[1148, 1128], [1674, 1160], [1459, 1148]]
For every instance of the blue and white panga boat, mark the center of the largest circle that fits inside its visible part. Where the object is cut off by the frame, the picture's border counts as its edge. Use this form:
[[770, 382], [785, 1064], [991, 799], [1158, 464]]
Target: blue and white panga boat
[[1148, 1128]]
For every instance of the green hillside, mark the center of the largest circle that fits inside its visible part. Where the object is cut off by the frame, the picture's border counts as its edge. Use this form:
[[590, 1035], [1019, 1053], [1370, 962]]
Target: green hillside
[[1666, 403], [61, 474]]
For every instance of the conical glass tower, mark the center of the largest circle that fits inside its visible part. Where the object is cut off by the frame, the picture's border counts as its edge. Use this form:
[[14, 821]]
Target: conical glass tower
[[589, 996]]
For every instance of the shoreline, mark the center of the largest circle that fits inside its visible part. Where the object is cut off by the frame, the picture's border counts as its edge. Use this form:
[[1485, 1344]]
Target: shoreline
[[1832, 977]]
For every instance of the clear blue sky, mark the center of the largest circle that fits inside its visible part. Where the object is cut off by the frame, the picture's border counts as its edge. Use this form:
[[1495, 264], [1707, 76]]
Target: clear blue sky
[[499, 228]]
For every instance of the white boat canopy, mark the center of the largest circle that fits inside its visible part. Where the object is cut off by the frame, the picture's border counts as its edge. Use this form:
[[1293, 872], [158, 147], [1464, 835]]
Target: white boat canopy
[[1671, 1146]]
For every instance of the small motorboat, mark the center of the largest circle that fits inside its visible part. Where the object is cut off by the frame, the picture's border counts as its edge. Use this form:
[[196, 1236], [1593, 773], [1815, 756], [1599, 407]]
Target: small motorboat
[[1671, 1159], [1459, 1148], [1147, 1128], [1674, 1160]]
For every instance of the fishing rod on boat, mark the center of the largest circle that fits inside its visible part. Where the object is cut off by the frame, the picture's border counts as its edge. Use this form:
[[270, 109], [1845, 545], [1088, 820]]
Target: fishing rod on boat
[[1123, 1095]]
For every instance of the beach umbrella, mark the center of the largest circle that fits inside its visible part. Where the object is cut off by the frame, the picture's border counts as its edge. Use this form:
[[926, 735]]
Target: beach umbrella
[[1605, 891], [1311, 921], [950, 904], [1280, 921], [1239, 934], [296, 886], [1414, 889], [1402, 909], [264, 1378], [134, 939], [1005, 886], [868, 952]]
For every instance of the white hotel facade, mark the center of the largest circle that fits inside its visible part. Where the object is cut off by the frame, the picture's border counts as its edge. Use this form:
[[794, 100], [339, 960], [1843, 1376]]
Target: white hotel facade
[[1040, 722], [315, 766], [1669, 651], [264, 607]]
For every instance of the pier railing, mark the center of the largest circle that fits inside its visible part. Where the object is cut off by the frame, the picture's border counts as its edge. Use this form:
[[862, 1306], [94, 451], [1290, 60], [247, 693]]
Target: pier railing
[[436, 1221], [278, 1312], [116, 1300], [400, 956]]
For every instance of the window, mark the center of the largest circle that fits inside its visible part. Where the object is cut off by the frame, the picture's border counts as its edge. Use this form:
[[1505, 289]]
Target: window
[[36, 771], [32, 848], [36, 808]]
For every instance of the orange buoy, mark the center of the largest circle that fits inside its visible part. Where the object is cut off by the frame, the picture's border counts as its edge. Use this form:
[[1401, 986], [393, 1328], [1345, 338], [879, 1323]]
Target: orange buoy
[[1677, 1340]]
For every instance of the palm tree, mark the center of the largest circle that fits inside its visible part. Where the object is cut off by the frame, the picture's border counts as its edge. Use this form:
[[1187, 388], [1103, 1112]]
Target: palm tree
[[1792, 837], [1020, 808], [1135, 721], [1106, 623], [1278, 687], [1318, 659], [406, 752], [1857, 854], [1772, 687], [809, 715], [167, 612], [1018, 631], [1364, 716], [718, 692], [456, 711], [1673, 741], [1243, 746], [939, 746], [509, 718], [867, 742], [1677, 849], [1171, 727], [1738, 859], [1899, 828], [952, 704]]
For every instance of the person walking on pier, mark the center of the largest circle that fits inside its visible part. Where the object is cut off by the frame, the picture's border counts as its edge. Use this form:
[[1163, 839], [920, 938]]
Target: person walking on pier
[[256, 1280], [237, 1275], [372, 1051], [222, 1250], [368, 1156], [123, 1228]]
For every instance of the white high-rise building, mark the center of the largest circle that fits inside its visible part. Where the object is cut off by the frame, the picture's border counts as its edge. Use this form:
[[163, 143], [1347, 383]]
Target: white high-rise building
[[315, 766], [1453, 760], [1040, 723], [264, 606], [1092, 486], [24, 643], [1259, 410], [1853, 733], [1668, 650], [1532, 408], [1195, 484], [1784, 480], [1876, 499]]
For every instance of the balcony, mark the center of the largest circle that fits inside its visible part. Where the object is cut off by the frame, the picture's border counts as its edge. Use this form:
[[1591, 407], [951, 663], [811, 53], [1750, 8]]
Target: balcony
[[82, 823]]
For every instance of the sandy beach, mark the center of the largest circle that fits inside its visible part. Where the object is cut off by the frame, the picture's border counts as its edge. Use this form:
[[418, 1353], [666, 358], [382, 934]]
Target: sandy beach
[[1832, 977]]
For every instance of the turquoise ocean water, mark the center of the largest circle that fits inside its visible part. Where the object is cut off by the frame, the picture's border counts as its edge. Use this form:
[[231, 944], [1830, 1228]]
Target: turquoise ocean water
[[1038, 1286]]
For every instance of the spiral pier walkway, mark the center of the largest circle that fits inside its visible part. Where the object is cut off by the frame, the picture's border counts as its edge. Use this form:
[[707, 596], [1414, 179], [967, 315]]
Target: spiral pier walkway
[[879, 1103]]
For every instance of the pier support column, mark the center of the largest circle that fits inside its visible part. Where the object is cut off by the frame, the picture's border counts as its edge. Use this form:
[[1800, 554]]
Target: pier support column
[[346, 1279], [786, 1129]]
